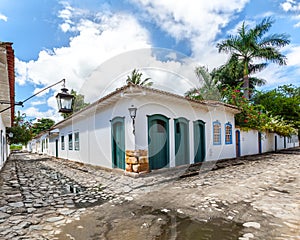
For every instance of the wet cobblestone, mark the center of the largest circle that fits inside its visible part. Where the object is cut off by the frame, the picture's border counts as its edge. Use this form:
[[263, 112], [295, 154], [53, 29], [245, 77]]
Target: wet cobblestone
[[40, 195]]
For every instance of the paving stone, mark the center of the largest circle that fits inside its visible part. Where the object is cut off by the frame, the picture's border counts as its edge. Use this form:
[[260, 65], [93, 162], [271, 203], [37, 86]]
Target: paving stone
[[3, 215], [16, 204], [54, 219]]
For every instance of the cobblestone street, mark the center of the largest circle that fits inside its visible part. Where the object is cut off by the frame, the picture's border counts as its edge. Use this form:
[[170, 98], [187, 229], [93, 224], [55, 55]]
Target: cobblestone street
[[46, 198]]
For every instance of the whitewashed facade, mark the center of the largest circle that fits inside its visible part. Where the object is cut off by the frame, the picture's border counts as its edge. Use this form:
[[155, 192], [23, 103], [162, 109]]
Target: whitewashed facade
[[88, 136], [172, 129], [253, 142]]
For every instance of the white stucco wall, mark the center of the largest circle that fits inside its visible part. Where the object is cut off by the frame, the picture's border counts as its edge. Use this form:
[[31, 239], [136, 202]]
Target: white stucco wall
[[4, 151], [249, 142], [95, 129]]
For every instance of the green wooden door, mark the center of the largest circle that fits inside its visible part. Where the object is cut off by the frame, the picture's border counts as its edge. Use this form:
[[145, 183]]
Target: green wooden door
[[158, 141], [118, 142], [199, 141], [181, 130]]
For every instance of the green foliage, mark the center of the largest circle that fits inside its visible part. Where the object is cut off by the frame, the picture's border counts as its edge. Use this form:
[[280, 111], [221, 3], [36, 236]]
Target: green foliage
[[251, 44], [209, 86], [21, 130], [78, 103], [255, 116], [283, 102], [15, 147], [136, 78], [41, 125]]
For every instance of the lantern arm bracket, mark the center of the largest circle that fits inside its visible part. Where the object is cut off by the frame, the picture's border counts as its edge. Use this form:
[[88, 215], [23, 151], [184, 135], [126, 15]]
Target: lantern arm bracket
[[21, 103]]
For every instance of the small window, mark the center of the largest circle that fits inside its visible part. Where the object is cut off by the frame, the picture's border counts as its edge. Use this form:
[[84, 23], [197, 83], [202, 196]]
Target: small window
[[76, 141], [70, 142], [62, 140], [228, 133], [217, 133]]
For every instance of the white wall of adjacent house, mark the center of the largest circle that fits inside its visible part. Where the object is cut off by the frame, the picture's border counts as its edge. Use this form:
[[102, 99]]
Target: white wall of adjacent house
[[269, 142], [4, 148]]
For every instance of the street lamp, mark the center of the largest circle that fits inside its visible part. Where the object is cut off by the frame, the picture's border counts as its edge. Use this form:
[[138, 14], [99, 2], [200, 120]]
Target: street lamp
[[132, 113], [64, 99], [10, 135]]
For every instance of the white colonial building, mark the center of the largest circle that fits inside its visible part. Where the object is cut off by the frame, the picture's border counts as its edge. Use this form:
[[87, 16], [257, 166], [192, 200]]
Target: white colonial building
[[171, 129]]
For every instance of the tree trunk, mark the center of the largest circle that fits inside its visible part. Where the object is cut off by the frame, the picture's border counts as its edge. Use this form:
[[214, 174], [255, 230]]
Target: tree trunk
[[246, 80], [246, 87]]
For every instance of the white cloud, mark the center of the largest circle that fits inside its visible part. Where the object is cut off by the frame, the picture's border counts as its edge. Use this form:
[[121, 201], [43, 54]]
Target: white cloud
[[36, 103], [290, 5], [3, 17], [174, 74], [196, 21], [36, 113], [93, 43]]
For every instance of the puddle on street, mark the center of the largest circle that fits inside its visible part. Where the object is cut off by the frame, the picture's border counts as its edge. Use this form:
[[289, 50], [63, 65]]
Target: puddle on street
[[215, 229], [120, 223]]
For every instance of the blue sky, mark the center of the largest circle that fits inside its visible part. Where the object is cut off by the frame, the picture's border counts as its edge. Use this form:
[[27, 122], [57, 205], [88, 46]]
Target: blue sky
[[94, 44]]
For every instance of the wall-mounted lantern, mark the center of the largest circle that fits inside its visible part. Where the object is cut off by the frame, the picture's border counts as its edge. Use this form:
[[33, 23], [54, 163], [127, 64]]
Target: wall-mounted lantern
[[65, 101], [132, 113]]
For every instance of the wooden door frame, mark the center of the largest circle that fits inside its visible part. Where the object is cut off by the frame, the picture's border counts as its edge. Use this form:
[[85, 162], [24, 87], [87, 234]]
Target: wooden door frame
[[113, 147]]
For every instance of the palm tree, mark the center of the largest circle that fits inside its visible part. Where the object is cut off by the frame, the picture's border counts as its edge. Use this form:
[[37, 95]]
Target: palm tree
[[209, 89], [252, 44], [136, 78], [231, 74]]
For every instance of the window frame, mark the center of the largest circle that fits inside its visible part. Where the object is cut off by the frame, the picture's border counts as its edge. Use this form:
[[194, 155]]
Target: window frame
[[219, 134], [228, 134]]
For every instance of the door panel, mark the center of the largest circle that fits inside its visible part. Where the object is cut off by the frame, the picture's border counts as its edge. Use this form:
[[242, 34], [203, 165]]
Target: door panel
[[158, 141], [181, 129], [199, 141]]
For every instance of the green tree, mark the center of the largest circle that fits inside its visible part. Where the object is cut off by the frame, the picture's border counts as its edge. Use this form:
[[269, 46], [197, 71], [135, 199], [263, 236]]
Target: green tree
[[136, 78], [41, 125], [283, 101], [252, 44], [255, 116], [209, 86], [78, 103], [21, 130]]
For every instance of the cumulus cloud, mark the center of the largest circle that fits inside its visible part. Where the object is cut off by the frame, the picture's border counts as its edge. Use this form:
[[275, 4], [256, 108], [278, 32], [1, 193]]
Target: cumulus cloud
[[290, 5], [293, 7], [196, 21], [3, 17], [95, 43]]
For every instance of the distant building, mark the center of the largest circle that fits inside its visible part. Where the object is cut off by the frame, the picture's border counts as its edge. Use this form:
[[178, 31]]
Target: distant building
[[7, 95]]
